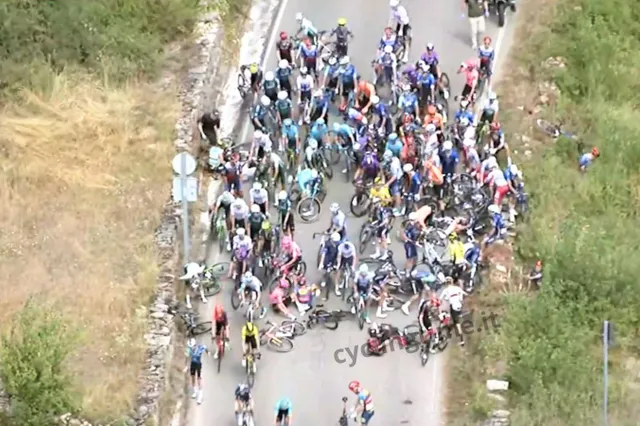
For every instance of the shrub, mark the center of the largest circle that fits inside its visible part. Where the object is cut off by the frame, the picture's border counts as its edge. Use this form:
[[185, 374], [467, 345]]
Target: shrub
[[32, 360], [120, 37]]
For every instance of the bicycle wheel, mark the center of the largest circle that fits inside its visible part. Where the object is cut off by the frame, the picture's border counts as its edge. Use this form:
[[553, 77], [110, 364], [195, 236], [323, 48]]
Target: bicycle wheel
[[359, 204], [251, 376], [280, 344], [443, 341], [364, 238], [547, 128], [297, 328], [211, 287], [235, 299], [309, 209], [327, 320], [424, 353], [220, 355], [294, 194], [361, 320], [201, 328]]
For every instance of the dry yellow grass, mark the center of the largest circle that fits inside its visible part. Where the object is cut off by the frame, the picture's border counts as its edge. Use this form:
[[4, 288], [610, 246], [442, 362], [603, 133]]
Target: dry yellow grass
[[84, 173]]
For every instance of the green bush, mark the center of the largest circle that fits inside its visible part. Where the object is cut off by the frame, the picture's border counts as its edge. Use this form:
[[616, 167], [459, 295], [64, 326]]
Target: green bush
[[32, 358], [121, 37], [584, 226]]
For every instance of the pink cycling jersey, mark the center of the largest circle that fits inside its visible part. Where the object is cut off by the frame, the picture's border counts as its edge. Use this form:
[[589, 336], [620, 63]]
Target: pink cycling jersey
[[295, 251], [276, 296], [471, 77]]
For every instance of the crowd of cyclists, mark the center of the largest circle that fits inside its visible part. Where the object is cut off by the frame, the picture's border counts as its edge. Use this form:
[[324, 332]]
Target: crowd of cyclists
[[444, 185]]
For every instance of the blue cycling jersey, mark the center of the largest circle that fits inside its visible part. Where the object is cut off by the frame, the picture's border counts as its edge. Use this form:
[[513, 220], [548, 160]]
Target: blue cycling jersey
[[381, 110], [427, 79], [319, 104], [258, 112], [348, 73], [318, 131], [284, 405], [344, 130], [332, 72], [462, 113], [291, 132], [408, 101], [196, 352], [283, 74], [415, 184], [449, 162], [395, 147], [308, 52]]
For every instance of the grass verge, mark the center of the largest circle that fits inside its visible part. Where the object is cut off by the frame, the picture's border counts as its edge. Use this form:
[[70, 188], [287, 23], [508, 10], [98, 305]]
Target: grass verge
[[583, 226]]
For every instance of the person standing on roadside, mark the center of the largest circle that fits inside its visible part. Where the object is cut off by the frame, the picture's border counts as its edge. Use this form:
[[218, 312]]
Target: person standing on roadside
[[476, 12]]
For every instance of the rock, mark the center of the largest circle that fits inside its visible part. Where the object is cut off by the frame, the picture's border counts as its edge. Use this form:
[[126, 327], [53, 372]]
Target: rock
[[500, 414], [502, 269], [525, 139], [143, 410], [527, 153], [158, 315], [555, 62], [497, 397]]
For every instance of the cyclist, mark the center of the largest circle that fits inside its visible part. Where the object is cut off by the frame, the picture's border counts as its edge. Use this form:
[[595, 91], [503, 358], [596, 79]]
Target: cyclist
[[329, 255], [308, 55], [287, 222], [331, 77], [306, 28], [364, 407], [284, 107], [307, 178], [280, 298], [400, 17], [253, 286], [221, 327], [486, 55], [381, 111], [310, 153], [454, 296], [259, 113], [284, 48], [410, 237], [471, 75], [348, 79], [268, 237], [496, 139], [498, 225], [239, 214], [346, 261], [319, 106], [421, 281], [343, 34], [362, 289], [278, 173], [253, 73], [352, 115], [194, 352], [490, 109], [319, 131], [270, 86], [456, 255], [260, 144], [434, 117], [426, 84], [260, 197], [305, 85], [346, 134], [224, 201], [408, 102], [256, 217], [425, 324], [387, 66], [388, 39], [242, 248], [292, 254], [588, 158], [303, 296], [283, 74], [380, 191], [394, 166], [513, 176], [414, 182], [243, 403], [366, 90], [464, 112], [338, 221], [290, 136], [431, 60], [284, 412]]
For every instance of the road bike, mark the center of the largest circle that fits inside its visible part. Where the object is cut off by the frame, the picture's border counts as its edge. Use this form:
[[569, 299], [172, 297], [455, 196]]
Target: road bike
[[280, 337], [221, 345], [344, 419], [250, 367], [329, 319]]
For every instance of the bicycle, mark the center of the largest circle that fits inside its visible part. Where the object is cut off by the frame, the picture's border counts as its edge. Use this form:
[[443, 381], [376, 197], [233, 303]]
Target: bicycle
[[280, 337], [250, 367], [193, 326], [309, 206], [221, 345], [220, 233], [329, 319], [360, 307], [343, 285], [344, 419]]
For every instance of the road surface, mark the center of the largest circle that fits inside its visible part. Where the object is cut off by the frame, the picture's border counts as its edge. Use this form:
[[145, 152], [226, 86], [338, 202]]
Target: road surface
[[316, 373]]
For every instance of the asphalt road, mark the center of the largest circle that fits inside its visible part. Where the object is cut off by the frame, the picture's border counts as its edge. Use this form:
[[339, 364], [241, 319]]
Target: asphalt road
[[316, 373]]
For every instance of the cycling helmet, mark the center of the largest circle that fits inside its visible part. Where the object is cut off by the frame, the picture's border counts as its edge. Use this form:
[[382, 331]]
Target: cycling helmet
[[313, 143], [335, 208], [247, 276], [282, 195], [314, 174], [493, 96], [191, 343], [392, 137], [373, 332], [378, 181], [335, 237], [363, 269], [595, 152], [388, 49], [431, 109], [430, 46], [406, 87], [265, 101], [447, 146], [253, 68], [286, 242], [342, 22], [284, 283], [283, 64], [495, 126], [288, 122], [283, 36], [268, 76], [492, 163], [304, 71], [388, 155], [354, 386], [344, 60], [453, 236], [282, 95], [332, 61], [375, 100], [255, 208], [407, 168], [413, 216], [258, 134], [257, 186], [299, 17], [494, 209], [240, 232], [464, 104], [464, 122], [320, 121], [238, 203]]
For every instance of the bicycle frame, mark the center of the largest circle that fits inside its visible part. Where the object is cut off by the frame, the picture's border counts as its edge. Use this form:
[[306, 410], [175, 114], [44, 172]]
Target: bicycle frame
[[277, 331]]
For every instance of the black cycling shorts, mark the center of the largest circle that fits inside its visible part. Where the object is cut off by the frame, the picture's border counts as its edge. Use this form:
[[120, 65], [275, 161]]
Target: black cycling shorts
[[196, 369], [251, 341], [282, 414]]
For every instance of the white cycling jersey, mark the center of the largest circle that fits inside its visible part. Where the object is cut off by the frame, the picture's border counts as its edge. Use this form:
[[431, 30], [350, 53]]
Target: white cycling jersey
[[347, 249], [275, 160], [454, 296], [399, 15], [396, 168], [243, 242], [339, 220], [263, 141], [226, 199], [497, 178], [305, 83], [240, 211], [308, 153], [258, 196], [254, 285], [490, 106]]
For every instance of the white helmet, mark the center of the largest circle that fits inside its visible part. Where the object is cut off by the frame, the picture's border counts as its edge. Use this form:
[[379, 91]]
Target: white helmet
[[314, 173], [335, 237], [344, 60], [447, 146], [240, 232], [388, 49], [335, 208], [332, 60], [255, 208], [299, 17], [431, 128], [493, 96], [265, 101], [464, 104], [413, 216], [388, 155], [282, 195], [318, 93], [268, 76], [494, 209], [282, 95], [363, 269], [191, 343], [464, 121], [258, 134], [283, 64], [492, 163], [394, 3], [247, 276], [238, 202], [257, 186], [430, 46], [407, 168], [375, 100], [304, 71], [313, 143]]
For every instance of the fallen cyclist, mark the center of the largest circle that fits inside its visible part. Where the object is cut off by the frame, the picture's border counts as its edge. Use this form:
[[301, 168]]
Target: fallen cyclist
[[380, 338]]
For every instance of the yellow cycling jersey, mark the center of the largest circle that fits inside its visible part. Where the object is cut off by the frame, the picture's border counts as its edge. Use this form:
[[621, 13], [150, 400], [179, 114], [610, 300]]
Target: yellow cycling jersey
[[382, 193], [456, 251], [246, 333]]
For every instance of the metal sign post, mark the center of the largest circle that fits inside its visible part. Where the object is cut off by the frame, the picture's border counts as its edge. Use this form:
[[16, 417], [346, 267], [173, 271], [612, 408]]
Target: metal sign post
[[184, 165], [607, 340]]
